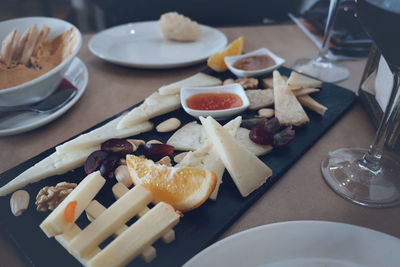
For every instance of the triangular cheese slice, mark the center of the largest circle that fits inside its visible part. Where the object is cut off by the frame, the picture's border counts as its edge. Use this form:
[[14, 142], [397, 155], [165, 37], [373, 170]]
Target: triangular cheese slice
[[153, 106], [298, 81], [199, 79], [247, 171], [287, 109], [207, 158], [103, 133]]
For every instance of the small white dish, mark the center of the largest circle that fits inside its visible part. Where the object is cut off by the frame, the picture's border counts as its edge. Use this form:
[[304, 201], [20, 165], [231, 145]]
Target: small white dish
[[142, 45], [235, 88], [229, 61], [300, 244], [76, 74]]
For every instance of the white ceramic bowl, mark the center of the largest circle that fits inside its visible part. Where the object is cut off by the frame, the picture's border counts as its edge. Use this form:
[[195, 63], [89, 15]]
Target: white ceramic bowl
[[40, 87], [229, 61], [235, 88]]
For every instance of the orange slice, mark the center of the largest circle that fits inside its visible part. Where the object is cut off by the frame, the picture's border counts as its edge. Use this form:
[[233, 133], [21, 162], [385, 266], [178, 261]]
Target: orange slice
[[216, 61], [184, 188]]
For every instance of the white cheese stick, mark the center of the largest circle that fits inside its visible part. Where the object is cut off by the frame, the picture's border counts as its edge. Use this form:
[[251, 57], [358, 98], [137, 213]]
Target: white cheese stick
[[86, 190], [297, 81], [54, 164], [109, 221], [200, 79], [247, 171], [103, 133], [138, 237], [312, 104], [153, 106]]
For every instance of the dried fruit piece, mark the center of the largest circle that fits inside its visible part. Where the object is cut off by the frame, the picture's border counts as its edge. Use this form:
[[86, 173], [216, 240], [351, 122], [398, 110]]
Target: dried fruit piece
[[263, 132], [19, 202], [94, 161], [117, 146], [157, 151], [69, 212], [284, 137], [108, 165]]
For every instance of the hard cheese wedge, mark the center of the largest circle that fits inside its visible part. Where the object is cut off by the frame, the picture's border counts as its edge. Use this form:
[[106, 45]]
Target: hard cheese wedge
[[207, 157], [103, 133], [200, 79], [139, 236], [247, 171], [56, 163], [86, 190], [153, 106], [288, 110]]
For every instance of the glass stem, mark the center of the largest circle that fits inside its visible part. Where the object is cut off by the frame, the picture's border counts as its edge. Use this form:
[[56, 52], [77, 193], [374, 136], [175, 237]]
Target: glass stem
[[371, 160], [333, 8]]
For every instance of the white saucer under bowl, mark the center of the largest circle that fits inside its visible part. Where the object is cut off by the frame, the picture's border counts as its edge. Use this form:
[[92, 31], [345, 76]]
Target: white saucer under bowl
[[77, 74]]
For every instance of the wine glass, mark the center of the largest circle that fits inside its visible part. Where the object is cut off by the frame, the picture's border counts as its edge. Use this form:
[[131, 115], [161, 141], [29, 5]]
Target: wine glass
[[367, 176], [321, 67]]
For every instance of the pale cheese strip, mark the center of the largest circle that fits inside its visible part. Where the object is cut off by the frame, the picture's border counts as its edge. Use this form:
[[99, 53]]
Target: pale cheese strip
[[65, 238], [247, 171], [94, 210], [54, 164], [86, 190], [297, 81], [200, 79], [189, 137], [103, 133], [288, 110], [138, 237], [120, 189], [207, 157], [153, 106], [310, 103], [110, 220]]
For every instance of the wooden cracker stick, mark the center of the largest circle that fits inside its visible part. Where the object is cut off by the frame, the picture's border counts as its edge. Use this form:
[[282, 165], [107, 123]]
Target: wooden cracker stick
[[310, 103], [287, 109]]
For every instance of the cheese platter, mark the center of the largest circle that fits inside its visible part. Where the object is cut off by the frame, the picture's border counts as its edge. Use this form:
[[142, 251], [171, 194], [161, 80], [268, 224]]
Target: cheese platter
[[199, 227]]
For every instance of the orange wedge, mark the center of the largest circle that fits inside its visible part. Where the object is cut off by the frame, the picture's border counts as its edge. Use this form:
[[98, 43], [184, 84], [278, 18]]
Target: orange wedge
[[216, 61], [184, 188]]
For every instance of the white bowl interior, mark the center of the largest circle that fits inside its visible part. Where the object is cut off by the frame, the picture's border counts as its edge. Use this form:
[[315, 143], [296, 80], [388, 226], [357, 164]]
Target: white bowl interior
[[42, 86], [248, 73], [235, 88]]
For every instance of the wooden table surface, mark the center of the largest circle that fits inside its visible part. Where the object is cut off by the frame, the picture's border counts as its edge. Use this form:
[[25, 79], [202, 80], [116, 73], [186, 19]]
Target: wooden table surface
[[301, 194]]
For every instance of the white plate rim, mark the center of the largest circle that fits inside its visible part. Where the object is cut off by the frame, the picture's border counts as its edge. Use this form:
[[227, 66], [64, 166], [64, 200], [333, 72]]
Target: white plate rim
[[183, 63], [208, 255], [76, 62]]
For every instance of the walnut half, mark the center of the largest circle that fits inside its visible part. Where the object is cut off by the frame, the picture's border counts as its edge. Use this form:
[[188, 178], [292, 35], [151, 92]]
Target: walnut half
[[49, 197]]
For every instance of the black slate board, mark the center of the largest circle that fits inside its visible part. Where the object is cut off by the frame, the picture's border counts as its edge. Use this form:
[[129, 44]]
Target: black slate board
[[197, 229]]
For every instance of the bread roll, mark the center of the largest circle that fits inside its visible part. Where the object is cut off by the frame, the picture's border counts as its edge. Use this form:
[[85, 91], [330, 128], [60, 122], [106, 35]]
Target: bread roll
[[177, 27]]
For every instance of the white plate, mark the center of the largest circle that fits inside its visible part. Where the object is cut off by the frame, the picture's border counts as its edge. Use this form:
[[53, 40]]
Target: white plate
[[142, 45], [77, 74], [300, 244]]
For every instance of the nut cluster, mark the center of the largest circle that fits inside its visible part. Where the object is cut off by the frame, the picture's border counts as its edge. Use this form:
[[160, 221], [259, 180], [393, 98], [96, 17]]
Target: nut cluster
[[49, 197]]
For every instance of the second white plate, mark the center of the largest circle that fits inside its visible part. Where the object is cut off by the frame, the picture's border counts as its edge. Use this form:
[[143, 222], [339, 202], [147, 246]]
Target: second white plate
[[142, 45], [301, 244]]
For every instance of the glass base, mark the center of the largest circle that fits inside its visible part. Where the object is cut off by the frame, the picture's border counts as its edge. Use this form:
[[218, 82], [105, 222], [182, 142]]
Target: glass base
[[344, 174], [321, 69]]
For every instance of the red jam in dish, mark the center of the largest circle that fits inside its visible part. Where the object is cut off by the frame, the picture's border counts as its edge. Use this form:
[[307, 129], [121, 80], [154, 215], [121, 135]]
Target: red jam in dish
[[254, 62], [214, 101]]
